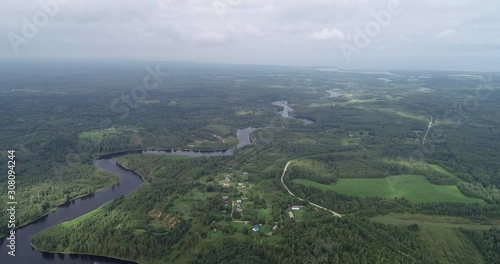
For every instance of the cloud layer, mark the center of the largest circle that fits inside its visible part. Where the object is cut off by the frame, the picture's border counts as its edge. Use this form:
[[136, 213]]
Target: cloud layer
[[426, 34]]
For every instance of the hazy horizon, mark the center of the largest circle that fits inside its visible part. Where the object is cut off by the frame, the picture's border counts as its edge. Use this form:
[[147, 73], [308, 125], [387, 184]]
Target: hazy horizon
[[384, 34]]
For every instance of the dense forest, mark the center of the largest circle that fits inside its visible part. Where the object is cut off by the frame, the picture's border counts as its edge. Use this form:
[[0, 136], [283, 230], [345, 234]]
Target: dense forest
[[488, 242], [173, 181], [188, 208]]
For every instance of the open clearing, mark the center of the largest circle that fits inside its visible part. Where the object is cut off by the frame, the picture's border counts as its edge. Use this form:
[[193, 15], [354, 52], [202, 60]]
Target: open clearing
[[435, 220], [445, 242], [415, 188]]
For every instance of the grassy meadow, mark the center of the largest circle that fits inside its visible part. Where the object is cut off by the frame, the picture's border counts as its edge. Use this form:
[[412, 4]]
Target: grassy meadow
[[415, 188]]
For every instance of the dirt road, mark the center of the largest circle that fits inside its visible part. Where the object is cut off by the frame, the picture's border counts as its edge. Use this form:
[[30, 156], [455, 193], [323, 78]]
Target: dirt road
[[428, 129], [292, 194]]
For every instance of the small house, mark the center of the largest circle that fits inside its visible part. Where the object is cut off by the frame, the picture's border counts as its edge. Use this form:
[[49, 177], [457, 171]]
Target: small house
[[290, 215]]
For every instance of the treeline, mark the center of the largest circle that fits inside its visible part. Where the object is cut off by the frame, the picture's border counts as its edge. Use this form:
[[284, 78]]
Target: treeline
[[351, 164], [130, 227], [377, 127], [471, 210], [312, 170], [375, 205], [346, 204], [321, 238], [487, 241], [490, 194], [117, 234], [66, 183]]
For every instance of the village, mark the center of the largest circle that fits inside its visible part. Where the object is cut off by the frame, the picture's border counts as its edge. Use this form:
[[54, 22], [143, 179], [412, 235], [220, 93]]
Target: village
[[249, 209]]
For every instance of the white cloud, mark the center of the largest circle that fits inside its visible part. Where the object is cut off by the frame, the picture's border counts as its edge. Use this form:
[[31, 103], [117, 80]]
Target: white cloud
[[210, 39], [258, 31], [253, 31], [448, 33], [327, 34], [404, 37]]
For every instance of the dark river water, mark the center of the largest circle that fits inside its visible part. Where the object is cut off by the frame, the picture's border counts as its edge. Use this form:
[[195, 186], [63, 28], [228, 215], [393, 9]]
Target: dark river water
[[287, 112], [129, 181]]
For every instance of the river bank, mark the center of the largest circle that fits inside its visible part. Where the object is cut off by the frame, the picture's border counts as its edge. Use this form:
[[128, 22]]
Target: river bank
[[129, 181]]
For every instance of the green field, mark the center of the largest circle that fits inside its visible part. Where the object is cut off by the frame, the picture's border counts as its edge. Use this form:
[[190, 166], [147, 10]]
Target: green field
[[435, 220], [265, 214], [183, 203], [415, 188], [445, 242]]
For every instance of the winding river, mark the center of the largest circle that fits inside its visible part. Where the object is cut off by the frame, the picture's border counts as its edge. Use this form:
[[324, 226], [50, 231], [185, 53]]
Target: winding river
[[129, 181], [288, 111]]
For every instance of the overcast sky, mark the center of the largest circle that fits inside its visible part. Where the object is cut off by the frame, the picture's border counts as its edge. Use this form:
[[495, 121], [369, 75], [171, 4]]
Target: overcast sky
[[420, 34]]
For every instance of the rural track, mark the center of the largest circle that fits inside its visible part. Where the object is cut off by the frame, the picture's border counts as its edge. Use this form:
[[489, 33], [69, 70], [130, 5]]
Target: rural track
[[428, 129], [292, 194], [323, 208]]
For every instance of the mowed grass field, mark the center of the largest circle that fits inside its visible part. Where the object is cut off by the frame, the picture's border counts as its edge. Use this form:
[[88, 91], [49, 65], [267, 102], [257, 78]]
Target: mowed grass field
[[445, 242], [415, 188]]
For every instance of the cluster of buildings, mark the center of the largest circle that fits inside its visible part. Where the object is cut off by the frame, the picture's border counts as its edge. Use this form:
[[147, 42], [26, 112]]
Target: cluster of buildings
[[238, 206], [225, 200], [227, 179]]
